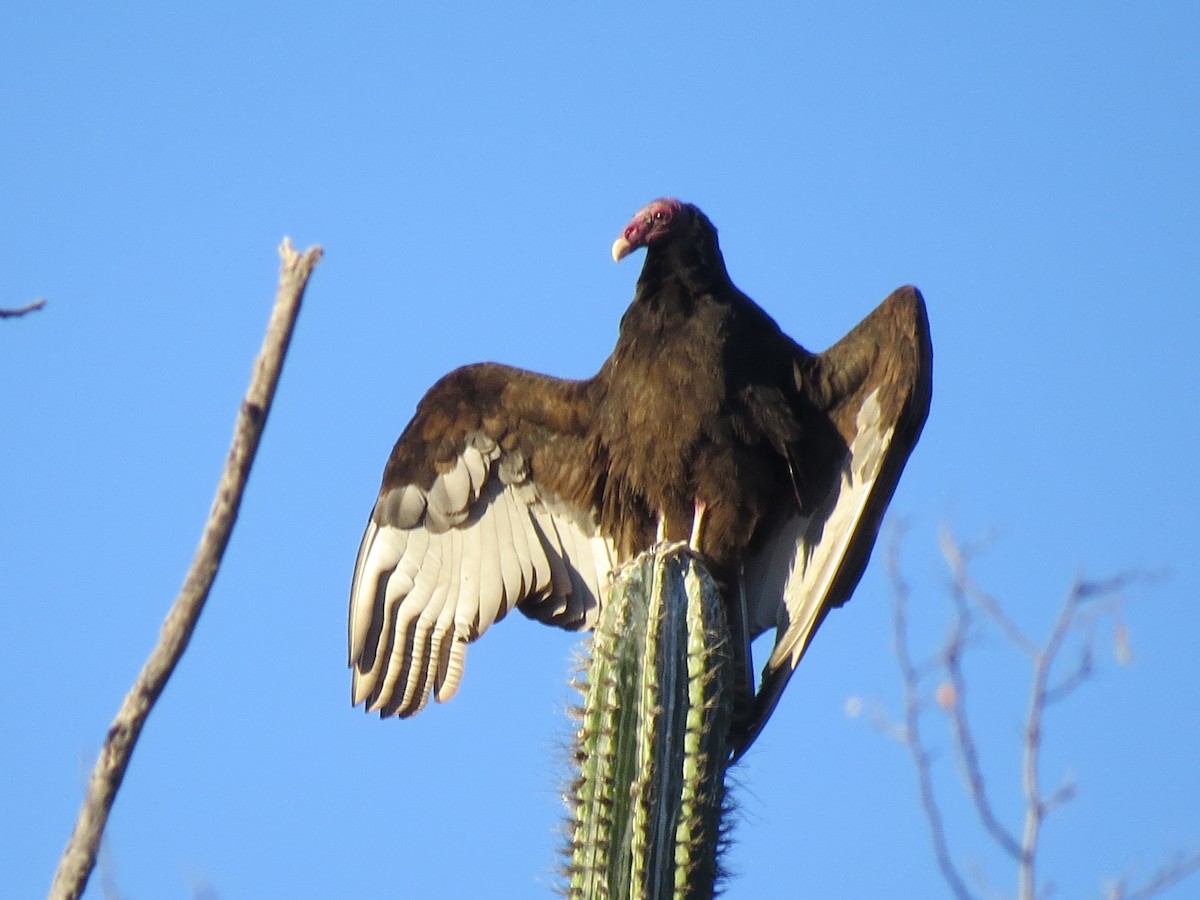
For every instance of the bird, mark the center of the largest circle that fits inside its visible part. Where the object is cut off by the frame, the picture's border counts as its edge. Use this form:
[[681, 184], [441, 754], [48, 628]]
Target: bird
[[706, 424]]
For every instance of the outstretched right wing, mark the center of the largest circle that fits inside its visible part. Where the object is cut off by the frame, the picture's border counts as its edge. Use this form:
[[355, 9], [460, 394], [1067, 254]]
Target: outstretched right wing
[[485, 505], [871, 391]]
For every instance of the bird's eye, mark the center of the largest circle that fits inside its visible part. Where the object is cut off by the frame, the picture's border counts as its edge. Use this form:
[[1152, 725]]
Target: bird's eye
[[660, 216]]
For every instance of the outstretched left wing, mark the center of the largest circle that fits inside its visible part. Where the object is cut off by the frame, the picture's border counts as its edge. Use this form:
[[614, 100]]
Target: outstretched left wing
[[871, 392], [483, 507]]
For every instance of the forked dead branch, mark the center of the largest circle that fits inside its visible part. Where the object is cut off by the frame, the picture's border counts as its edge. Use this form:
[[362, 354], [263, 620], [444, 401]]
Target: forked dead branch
[[1053, 678]]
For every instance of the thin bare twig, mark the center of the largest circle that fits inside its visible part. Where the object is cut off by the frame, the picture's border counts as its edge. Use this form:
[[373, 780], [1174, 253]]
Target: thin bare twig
[[1169, 875], [23, 310], [79, 857], [960, 727], [1083, 670], [957, 558], [912, 725], [1065, 793]]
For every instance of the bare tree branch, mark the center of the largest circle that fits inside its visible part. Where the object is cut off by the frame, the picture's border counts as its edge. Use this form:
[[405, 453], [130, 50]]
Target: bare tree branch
[[79, 857], [23, 310], [912, 725], [1037, 806], [1083, 606]]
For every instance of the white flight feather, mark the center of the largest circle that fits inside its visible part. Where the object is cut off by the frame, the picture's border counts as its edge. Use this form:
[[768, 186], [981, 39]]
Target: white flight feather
[[582, 565], [425, 636], [443, 631], [818, 560], [408, 650], [420, 616], [450, 678], [526, 503], [560, 578], [510, 562], [401, 581], [491, 584], [520, 552], [381, 549], [466, 610]]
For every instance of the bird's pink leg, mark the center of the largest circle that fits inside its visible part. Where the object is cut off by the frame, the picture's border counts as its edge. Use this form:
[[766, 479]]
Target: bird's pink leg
[[697, 524]]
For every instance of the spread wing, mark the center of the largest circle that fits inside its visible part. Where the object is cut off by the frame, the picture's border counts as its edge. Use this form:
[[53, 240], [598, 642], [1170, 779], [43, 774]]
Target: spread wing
[[485, 505], [870, 394]]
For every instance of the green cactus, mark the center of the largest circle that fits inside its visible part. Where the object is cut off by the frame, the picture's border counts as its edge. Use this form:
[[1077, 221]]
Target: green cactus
[[652, 745]]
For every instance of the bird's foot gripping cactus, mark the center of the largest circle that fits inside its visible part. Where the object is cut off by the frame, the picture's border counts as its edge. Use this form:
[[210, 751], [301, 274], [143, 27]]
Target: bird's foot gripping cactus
[[652, 745]]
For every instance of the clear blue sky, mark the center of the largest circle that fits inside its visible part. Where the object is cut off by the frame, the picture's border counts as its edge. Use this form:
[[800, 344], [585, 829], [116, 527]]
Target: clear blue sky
[[1033, 170]]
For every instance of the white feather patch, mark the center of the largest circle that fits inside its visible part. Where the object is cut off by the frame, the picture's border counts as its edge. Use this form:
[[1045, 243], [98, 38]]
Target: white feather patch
[[472, 548]]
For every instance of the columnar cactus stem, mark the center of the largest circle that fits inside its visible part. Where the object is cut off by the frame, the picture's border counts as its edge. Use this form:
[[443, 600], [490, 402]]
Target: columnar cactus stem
[[652, 746]]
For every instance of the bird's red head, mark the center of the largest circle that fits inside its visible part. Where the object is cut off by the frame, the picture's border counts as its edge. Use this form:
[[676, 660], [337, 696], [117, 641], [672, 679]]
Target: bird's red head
[[650, 223]]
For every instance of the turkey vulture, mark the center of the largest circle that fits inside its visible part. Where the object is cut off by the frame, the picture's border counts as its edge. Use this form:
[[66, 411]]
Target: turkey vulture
[[707, 423]]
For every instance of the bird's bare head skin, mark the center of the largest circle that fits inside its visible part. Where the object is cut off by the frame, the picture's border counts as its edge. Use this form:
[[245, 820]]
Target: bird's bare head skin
[[650, 223]]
